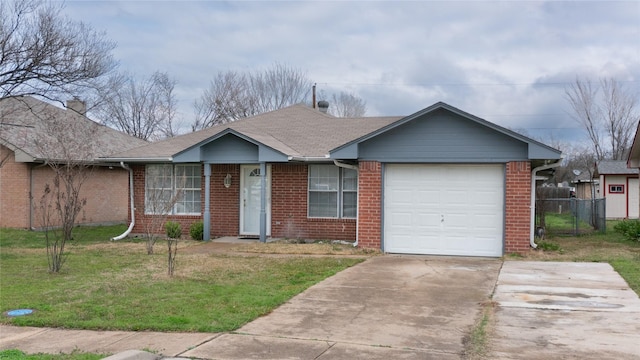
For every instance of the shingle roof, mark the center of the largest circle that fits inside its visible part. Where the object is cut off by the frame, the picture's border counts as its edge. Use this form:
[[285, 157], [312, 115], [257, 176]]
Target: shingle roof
[[613, 167], [296, 131], [26, 126]]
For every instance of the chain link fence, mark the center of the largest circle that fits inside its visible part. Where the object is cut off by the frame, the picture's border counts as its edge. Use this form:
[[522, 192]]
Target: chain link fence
[[571, 216]]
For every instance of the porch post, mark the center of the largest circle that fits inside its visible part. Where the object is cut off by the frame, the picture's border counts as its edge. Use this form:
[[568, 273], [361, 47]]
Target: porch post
[[263, 202], [207, 194]]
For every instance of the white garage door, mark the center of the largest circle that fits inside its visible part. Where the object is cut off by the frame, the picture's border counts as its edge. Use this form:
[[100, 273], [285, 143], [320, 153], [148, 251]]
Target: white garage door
[[444, 209]]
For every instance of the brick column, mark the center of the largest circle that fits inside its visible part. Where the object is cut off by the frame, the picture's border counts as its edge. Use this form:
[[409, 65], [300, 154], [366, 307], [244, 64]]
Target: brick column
[[369, 204], [517, 207]]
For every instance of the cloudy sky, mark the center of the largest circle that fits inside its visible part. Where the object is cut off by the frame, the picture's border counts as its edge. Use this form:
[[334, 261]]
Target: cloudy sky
[[505, 61]]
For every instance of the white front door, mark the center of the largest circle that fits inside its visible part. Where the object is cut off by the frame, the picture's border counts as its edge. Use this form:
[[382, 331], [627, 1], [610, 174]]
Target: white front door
[[250, 200]]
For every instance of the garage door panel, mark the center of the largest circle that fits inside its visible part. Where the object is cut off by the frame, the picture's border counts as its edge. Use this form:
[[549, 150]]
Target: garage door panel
[[454, 209]]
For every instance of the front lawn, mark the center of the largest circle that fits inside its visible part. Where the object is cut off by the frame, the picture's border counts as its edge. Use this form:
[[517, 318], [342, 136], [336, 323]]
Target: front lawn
[[116, 286], [14, 354]]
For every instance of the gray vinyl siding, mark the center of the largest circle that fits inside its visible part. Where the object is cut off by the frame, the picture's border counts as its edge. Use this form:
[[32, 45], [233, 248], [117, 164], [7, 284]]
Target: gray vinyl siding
[[442, 136], [230, 149]]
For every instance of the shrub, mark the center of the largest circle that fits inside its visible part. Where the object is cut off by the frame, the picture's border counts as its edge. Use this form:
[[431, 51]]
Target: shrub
[[549, 246], [174, 230], [630, 229], [196, 230]]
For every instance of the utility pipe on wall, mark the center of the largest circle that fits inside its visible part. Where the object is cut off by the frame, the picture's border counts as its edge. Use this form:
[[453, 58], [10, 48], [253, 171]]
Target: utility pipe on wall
[[133, 209], [533, 200]]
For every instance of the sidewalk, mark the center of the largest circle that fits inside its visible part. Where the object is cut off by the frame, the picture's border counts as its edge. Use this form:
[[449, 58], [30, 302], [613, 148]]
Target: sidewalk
[[52, 341]]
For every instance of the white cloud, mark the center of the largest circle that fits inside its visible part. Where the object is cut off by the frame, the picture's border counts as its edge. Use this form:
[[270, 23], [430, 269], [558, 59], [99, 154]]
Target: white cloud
[[489, 58]]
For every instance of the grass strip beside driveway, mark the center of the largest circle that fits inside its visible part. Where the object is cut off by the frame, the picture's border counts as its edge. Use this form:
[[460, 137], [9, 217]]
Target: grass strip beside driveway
[[116, 286]]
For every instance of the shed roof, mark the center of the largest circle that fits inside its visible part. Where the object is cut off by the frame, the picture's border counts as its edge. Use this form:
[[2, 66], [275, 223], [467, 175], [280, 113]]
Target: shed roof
[[34, 129], [614, 167]]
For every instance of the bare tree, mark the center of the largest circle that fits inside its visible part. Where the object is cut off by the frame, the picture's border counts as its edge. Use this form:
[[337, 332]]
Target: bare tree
[[620, 118], [277, 87], [224, 101], [145, 109], [168, 103], [232, 95], [607, 112], [174, 231], [347, 105], [44, 53], [61, 202]]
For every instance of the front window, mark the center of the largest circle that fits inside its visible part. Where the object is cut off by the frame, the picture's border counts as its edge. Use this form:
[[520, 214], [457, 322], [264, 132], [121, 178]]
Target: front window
[[172, 189], [333, 192]]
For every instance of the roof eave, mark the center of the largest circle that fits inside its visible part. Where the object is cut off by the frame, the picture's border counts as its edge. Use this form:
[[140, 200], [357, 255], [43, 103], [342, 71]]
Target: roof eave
[[138, 159], [309, 158], [633, 161]]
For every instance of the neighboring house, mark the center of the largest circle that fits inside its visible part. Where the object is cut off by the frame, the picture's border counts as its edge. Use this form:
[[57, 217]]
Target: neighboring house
[[633, 161], [440, 181], [586, 186], [27, 144], [619, 185]]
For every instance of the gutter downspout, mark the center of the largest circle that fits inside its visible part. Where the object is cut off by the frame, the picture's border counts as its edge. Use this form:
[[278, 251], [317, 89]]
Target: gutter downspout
[[352, 167], [533, 200], [133, 209]]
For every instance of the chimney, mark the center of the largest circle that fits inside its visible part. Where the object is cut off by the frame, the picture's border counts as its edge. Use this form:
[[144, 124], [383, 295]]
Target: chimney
[[77, 105], [323, 106]]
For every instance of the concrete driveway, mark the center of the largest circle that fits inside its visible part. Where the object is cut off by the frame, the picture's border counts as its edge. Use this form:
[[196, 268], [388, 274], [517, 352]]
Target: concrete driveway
[[389, 307], [407, 307], [562, 310]]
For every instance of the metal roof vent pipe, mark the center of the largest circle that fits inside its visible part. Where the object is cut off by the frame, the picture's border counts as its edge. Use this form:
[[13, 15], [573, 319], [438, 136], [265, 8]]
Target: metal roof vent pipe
[[323, 106]]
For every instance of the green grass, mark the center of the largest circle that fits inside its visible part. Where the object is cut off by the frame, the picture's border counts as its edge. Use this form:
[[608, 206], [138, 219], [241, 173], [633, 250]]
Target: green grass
[[564, 222], [116, 286], [83, 235], [19, 355]]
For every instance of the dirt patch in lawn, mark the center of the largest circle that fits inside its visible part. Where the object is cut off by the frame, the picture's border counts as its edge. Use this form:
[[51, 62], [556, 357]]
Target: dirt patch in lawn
[[281, 247]]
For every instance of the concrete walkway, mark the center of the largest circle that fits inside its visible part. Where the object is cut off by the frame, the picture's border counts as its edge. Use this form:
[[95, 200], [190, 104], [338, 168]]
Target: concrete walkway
[[407, 307]]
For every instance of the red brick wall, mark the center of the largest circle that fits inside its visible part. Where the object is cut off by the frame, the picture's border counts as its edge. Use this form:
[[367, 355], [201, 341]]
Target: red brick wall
[[288, 206], [369, 204], [289, 219], [225, 202], [517, 207], [106, 191], [14, 191]]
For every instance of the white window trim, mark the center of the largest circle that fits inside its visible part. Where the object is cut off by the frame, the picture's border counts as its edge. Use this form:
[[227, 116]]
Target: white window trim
[[174, 189], [614, 187], [340, 191]]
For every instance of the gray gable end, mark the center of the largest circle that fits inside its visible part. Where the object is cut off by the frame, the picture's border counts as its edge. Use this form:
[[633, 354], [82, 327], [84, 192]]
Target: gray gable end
[[229, 147], [444, 134]]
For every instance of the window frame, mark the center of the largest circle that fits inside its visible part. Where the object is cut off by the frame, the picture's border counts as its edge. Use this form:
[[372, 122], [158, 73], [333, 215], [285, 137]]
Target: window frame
[[340, 192], [616, 189], [174, 188]]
